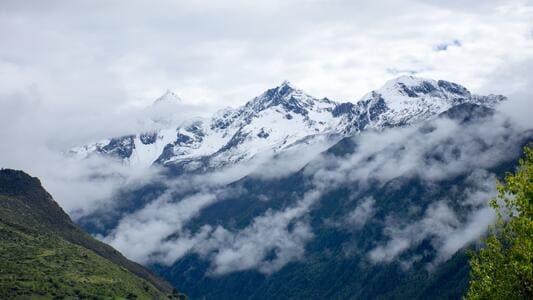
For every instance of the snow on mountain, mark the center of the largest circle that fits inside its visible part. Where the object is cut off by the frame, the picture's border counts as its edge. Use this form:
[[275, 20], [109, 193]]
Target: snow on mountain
[[410, 99], [270, 122], [278, 119]]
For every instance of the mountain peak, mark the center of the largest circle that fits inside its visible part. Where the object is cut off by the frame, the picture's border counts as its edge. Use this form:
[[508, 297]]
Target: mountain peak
[[403, 88], [408, 79], [168, 97], [410, 99], [164, 110], [410, 85], [287, 83], [415, 87], [286, 88], [286, 95]]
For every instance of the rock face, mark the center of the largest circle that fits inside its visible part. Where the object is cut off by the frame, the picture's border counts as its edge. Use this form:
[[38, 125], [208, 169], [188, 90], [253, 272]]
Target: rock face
[[281, 118]]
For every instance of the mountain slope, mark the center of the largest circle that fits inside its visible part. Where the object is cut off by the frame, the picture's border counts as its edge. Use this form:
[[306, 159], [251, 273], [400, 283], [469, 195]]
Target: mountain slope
[[40, 265], [44, 253]]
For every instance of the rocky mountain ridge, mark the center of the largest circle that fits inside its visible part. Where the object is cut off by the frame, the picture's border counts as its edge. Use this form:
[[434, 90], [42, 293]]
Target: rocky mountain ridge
[[281, 118]]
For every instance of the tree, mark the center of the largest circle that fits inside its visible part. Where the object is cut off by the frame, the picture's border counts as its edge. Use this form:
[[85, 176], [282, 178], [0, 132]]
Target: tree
[[503, 269]]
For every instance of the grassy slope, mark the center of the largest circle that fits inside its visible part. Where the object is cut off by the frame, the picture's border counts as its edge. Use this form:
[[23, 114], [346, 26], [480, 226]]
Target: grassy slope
[[44, 265], [31, 218]]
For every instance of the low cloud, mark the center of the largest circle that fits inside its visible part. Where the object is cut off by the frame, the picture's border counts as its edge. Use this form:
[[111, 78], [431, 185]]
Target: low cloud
[[362, 213], [141, 234], [441, 225], [432, 151], [270, 242]]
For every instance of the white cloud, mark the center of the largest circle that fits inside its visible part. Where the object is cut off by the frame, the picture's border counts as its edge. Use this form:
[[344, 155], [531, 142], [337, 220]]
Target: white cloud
[[441, 226], [141, 234], [251, 247], [156, 234], [362, 213], [445, 149]]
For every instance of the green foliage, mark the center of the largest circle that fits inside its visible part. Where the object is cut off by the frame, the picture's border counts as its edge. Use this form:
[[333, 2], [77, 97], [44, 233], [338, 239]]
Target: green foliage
[[34, 265], [503, 269]]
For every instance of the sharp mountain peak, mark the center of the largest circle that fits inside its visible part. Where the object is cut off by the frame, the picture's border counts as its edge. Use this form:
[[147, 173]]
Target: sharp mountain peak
[[168, 97]]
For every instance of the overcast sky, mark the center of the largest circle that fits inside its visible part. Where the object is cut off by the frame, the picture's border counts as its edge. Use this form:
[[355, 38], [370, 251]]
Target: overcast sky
[[71, 70]]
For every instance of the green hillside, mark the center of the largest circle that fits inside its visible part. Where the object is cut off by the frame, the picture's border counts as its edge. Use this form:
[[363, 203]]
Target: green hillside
[[43, 254]]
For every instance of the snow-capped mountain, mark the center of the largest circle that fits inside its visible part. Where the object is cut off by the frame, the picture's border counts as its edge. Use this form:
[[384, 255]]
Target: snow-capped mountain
[[281, 118], [410, 99]]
